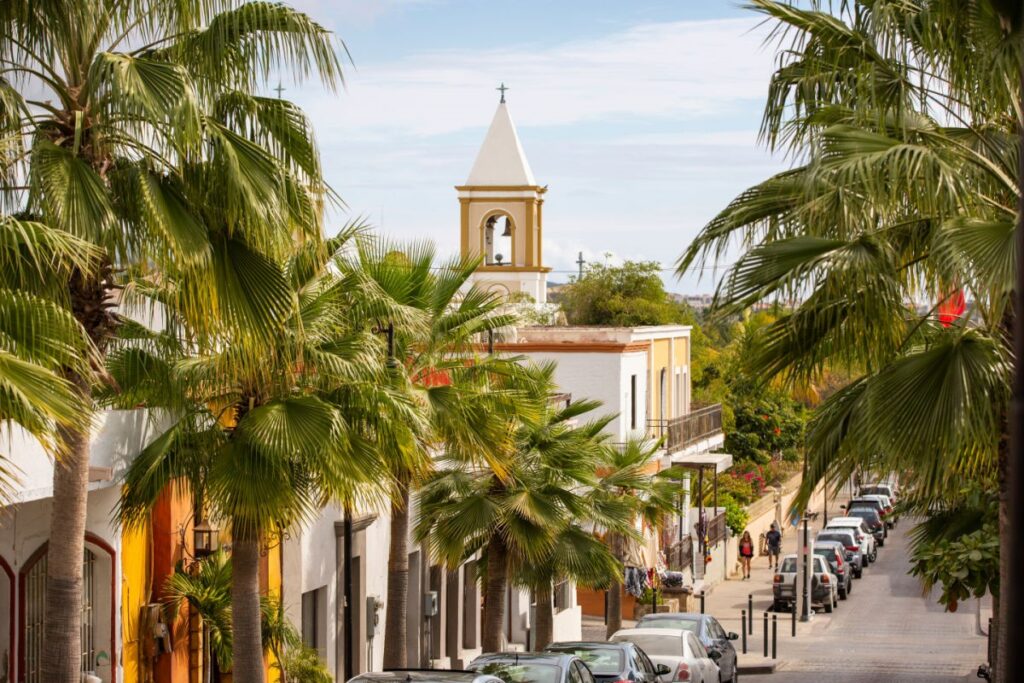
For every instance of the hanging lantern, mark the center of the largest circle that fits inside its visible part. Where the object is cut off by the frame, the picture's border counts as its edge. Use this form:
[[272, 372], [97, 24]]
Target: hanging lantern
[[205, 539]]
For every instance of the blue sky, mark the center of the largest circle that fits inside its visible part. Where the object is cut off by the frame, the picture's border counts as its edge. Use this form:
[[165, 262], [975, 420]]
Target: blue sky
[[640, 116]]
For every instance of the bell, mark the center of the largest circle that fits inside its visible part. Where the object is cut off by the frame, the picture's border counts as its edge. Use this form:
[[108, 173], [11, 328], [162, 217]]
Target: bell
[[508, 229]]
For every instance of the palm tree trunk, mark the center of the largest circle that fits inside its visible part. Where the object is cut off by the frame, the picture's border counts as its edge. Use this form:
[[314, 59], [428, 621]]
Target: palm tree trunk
[[545, 613], [1006, 573], [396, 620], [62, 623], [615, 589], [494, 595], [247, 643]]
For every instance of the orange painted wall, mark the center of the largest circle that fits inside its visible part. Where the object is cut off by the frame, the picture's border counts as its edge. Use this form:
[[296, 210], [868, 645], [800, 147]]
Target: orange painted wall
[[171, 514]]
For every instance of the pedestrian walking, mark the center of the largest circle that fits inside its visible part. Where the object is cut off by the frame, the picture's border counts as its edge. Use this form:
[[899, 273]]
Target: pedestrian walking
[[746, 553], [774, 538]]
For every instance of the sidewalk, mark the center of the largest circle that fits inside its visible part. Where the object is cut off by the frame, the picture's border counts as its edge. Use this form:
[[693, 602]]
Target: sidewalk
[[726, 601]]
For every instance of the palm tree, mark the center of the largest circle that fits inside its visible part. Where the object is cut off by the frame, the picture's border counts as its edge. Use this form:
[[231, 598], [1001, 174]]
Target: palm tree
[[903, 120], [463, 410], [109, 108], [206, 588], [512, 511], [266, 428], [41, 339], [631, 490]]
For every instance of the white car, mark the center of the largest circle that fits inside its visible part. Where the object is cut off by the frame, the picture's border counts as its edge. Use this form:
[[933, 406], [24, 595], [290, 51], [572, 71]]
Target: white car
[[864, 536], [678, 649]]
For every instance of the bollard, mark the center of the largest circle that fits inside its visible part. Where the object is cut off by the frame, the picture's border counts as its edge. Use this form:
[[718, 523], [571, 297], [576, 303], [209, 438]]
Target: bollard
[[654, 601], [775, 637], [766, 635], [702, 602], [743, 621], [750, 608], [794, 619]]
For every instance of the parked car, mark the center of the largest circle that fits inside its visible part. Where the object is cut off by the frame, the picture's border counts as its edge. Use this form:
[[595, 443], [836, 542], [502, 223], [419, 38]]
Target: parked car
[[854, 553], [870, 516], [712, 636], [881, 503], [823, 585], [533, 667], [615, 662], [878, 488], [835, 554], [678, 649], [423, 676], [861, 532]]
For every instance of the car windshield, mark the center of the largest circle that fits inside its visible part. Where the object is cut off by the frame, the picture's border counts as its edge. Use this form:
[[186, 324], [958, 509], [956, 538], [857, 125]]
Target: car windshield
[[684, 623], [827, 553], [841, 538], [864, 513], [788, 565], [603, 661], [527, 672], [854, 530], [874, 491], [669, 645]]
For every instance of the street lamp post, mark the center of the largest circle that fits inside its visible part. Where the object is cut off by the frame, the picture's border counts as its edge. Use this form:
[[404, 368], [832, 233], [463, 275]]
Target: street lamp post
[[805, 608]]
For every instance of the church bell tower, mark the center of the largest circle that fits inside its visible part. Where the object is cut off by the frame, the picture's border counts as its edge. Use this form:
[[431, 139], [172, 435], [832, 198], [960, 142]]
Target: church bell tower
[[501, 214]]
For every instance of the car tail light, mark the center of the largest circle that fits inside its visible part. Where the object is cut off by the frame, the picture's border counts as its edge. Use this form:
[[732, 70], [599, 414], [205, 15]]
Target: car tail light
[[839, 560], [825, 579], [853, 548], [683, 673], [777, 578]]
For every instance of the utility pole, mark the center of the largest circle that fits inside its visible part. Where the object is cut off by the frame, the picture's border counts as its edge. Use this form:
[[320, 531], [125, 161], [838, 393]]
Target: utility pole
[[805, 557], [580, 262]]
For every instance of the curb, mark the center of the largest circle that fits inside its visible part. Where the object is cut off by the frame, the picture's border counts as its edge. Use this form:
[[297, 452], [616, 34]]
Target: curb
[[757, 669]]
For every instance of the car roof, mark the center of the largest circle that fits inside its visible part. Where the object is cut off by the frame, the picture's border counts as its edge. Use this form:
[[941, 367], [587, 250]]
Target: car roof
[[589, 643], [845, 521], [517, 657], [425, 676], [650, 632], [675, 615], [836, 530]]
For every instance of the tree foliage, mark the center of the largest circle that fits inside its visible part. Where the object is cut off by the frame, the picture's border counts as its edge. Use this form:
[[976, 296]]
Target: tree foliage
[[627, 295]]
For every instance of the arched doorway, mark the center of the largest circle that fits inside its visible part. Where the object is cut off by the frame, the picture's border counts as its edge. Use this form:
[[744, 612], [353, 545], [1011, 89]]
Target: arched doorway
[[99, 654], [498, 232], [7, 583]]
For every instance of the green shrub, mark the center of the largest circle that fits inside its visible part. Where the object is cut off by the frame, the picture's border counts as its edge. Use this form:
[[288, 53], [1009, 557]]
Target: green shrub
[[303, 665], [736, 516]]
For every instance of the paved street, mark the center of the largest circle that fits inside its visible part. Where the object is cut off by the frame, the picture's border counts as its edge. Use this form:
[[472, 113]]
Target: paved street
[[886, 632]]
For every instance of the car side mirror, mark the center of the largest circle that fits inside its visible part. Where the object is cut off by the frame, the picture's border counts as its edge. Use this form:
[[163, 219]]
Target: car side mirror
[[662, 670], [843, 506], [733, 636], [715, 655]]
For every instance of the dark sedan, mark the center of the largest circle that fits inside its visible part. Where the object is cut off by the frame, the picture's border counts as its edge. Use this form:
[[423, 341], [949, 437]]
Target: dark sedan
[[533, 667], [871, 517], [708, 630], [421, 676], [619, 662]]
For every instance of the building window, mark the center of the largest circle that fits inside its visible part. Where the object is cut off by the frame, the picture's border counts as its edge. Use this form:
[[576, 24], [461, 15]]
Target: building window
[[314, 615], [35, 607], [562, 594], [663, 394], [632, 401]]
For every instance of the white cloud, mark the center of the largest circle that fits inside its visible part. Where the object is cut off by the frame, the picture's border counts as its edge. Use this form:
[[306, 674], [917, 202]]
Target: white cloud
[[667, 70]]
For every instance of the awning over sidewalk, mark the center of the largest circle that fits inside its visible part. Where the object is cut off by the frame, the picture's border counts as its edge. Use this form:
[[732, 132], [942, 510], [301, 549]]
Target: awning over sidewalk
[[719, 461]]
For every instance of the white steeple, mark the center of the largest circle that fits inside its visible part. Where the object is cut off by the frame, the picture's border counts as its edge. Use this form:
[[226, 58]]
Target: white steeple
[[501, 161]]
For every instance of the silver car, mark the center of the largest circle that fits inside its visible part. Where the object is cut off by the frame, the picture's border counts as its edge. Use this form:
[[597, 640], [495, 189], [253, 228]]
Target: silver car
[[824, 584]]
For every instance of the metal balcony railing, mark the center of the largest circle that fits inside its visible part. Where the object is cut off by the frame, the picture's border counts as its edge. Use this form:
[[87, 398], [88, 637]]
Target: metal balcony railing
[[686, 430]]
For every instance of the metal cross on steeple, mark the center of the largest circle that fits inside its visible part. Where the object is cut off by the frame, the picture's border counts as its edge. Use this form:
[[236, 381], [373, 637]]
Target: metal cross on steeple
[[279, 89], [502, 88]]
